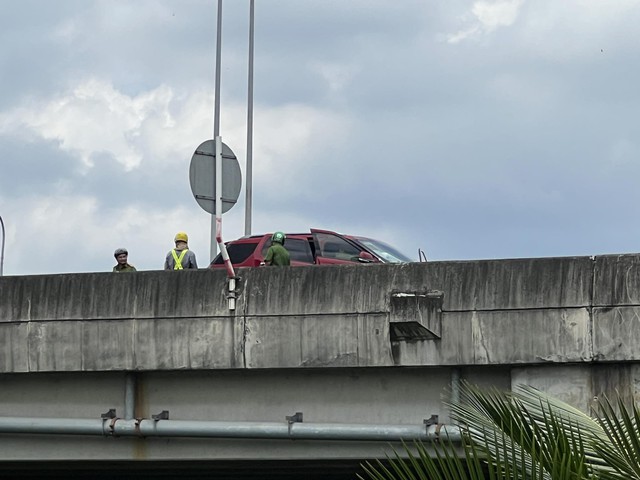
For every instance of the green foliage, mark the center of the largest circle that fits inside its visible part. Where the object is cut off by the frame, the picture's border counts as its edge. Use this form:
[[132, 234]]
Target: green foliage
[[524, 435]]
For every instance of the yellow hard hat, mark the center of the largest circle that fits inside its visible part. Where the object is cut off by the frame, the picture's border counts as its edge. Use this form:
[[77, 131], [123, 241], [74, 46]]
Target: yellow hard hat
[[181, 237]]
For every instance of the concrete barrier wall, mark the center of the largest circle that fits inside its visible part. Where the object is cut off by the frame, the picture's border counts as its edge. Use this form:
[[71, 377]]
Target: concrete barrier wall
[[316, 339], [503, 284], [147, 320], [492, 312], [617, 280], [93, 296], [470, 285]]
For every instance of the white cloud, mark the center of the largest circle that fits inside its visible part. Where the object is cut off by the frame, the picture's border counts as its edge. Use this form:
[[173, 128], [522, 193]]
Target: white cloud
[[93, 118], [140, 100], [492, 15], [290, 135], [488, 17], [66, 233], [158, 129], [556, 30], [463, 34]]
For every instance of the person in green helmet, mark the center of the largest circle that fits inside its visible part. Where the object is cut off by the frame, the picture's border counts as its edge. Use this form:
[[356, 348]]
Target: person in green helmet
[[277, 254]]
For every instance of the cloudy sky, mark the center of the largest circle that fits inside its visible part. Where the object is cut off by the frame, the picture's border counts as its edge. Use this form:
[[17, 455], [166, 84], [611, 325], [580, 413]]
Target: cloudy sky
[[470, 129]]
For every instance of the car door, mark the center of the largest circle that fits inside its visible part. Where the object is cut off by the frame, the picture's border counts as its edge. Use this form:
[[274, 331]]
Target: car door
[[298, 247], [332, 248]]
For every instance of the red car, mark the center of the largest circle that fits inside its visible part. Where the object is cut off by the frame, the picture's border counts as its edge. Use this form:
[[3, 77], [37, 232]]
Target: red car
[[320, 247]]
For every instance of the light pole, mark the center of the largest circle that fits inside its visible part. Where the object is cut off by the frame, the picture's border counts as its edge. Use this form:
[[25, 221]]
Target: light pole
[[216, 121], [2, 249], [249, 187]]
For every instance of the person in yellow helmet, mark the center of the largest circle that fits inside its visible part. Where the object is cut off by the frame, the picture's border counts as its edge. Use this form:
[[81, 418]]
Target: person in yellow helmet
[[180, 258]]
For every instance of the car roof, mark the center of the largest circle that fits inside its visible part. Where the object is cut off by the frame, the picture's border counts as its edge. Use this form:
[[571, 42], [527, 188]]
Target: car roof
[[263, 235]]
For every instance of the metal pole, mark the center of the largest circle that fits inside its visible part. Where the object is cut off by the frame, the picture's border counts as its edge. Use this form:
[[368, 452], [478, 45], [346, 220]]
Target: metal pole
[[118, 427], [218, 186], [249, 192], [231, 295], [2, 250], [216, 111], [455, 388], [129, 396], [218, 211], [216, 118]]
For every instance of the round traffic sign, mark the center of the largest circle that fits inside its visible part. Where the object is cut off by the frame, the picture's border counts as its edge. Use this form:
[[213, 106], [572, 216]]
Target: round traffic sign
[[202, 177]]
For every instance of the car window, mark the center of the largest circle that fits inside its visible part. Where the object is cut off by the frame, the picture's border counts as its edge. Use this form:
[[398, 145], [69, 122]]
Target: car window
[[299, 249], [383, 250], [238, 252], [332, 246]]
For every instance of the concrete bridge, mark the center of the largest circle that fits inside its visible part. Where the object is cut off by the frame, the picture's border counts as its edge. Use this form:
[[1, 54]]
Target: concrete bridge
[[315, 369]]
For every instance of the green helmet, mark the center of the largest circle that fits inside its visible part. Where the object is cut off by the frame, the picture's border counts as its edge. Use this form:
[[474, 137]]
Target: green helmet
[[278, 237]]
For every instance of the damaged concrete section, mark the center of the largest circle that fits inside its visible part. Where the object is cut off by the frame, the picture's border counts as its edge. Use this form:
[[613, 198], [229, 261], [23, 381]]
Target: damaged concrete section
[[416, 315]]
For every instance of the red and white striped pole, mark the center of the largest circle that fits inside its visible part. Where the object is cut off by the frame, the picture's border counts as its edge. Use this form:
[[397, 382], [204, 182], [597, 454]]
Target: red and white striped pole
[[223, 249]]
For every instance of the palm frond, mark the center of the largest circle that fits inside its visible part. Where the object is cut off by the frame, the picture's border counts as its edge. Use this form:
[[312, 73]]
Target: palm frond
[[525, 434], [622, 452]]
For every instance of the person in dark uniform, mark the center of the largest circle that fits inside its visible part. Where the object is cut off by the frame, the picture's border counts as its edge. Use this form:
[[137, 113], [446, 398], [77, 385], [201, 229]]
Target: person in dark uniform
[[122, 257], [277, 254]]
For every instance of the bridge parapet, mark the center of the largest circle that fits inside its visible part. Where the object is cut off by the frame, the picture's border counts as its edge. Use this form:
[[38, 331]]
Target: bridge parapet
[[357, 347], [488, 312]]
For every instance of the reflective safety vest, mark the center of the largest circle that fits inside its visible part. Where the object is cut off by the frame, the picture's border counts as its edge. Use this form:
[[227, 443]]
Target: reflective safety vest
[[177, 261]]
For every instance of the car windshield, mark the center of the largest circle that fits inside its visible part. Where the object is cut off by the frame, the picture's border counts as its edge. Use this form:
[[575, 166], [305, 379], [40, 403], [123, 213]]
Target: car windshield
[[385, 251]]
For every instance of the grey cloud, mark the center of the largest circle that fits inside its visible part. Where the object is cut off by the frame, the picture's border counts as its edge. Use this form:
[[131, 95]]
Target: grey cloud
[[41, 168], [153, 188], [33, 167], [519, 143]]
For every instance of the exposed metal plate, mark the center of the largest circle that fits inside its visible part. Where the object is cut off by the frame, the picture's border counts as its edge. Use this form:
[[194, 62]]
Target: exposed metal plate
[[202, 177]]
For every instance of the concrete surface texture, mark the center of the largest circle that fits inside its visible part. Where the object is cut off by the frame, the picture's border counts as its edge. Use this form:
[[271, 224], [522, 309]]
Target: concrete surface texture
[[364, 344], [441, 313]]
